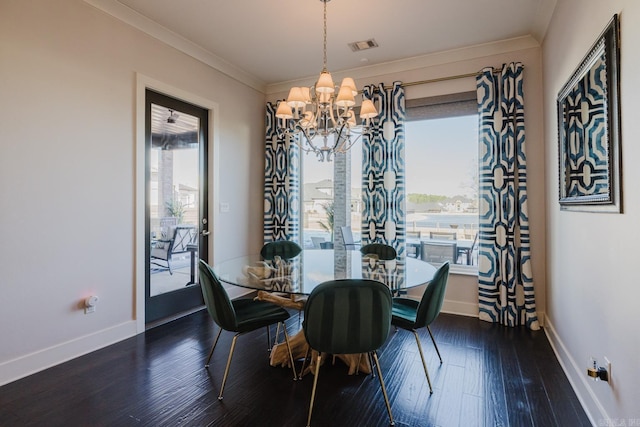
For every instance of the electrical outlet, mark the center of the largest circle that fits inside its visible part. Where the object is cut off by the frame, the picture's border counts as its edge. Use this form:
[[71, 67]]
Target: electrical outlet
[[90, 304]]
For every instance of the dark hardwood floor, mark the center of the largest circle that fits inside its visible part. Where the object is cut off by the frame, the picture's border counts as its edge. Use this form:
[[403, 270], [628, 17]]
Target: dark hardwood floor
[[491, 376]]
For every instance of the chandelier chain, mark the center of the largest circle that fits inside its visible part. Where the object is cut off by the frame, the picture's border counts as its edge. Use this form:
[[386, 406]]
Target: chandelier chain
[[324, 46]]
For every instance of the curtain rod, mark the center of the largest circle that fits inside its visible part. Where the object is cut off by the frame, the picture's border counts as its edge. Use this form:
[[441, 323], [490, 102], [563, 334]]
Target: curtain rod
[[442, 79]]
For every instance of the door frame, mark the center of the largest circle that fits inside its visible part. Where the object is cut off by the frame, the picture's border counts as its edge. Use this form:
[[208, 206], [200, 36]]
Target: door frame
[[142, 84]]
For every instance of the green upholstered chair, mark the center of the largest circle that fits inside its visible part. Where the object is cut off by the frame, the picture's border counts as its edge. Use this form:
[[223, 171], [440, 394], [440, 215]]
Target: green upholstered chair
[[412, 315], [239, 316], [284, 249], [379, 250], [349, 316]]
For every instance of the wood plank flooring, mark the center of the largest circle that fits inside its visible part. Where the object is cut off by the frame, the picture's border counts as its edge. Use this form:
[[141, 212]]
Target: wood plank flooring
[[491, 376]]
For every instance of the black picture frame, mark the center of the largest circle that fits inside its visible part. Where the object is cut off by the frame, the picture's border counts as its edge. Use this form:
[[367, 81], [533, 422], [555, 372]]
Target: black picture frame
[[589, 129]]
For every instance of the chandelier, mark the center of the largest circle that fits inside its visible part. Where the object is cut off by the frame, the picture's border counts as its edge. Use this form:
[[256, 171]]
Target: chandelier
[[321, 117]]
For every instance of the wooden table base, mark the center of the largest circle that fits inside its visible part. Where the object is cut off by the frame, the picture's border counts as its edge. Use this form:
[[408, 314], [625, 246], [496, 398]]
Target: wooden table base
[[299, 347]]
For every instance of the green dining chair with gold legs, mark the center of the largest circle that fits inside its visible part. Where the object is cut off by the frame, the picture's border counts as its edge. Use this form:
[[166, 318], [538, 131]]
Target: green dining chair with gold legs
[[380, 251], [284, 249], [411, 315], [240, 316], [349, 316]]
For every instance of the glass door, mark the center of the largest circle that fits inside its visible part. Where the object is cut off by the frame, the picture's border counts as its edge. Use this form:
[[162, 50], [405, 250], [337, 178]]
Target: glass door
[[176, 204]]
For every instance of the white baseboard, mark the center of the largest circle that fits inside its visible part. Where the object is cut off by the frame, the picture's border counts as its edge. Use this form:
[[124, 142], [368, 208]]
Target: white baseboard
[[576, 375], [460, 308], [23, 366]]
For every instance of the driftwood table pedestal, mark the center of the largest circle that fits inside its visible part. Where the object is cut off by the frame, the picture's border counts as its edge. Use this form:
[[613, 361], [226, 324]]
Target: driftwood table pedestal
[[299, 346]]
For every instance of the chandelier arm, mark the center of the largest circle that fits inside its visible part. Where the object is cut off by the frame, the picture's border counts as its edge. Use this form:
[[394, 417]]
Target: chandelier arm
[[351, 141]]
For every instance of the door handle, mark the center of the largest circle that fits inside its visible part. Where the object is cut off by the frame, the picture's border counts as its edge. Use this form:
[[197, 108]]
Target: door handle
[[205, 232]]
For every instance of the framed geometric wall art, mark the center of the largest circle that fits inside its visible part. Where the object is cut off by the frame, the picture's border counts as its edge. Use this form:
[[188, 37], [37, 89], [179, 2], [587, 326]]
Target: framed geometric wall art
[[589, 129]]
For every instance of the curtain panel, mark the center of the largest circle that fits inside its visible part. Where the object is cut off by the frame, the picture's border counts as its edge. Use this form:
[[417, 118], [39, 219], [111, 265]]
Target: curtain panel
[[506, 293], [281, 183], [383, 169]]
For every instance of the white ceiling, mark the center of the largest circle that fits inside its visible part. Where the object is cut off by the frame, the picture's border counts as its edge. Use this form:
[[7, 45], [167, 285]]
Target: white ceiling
[[262, 42]]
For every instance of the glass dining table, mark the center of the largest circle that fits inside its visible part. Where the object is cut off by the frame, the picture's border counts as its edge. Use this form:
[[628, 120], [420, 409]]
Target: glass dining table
[[298, 276], [301, 274]]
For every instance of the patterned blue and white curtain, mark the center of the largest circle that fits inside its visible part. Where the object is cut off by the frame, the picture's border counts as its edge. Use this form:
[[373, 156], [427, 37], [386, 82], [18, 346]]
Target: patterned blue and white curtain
[[506, 293], [281, 184], [383, 170]]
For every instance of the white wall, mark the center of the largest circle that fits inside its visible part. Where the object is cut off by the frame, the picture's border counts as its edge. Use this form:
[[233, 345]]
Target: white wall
[[68, 174], [462, 290], [592, 303]]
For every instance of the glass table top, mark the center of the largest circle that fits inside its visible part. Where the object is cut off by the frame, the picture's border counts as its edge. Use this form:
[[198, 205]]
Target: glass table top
[[301, 274]]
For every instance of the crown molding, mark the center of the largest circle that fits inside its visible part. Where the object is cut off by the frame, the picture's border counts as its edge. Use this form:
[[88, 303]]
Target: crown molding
[[417, 62], [125, 14], [163, 34]]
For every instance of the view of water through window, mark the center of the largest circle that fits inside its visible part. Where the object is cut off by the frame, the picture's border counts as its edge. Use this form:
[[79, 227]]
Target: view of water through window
[[441, 160]]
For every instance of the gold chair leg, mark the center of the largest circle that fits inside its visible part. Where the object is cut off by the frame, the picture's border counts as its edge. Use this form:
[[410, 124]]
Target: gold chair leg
[[286, 339], [226, 370], [423, 362], [313, 390], [215, 342], [384, 389], [434, 343], [275, 341], [373, 373]]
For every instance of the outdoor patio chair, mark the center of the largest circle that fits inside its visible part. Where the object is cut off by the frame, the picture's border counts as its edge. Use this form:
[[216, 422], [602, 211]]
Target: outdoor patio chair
[[181, 236], [443, 235], [439, 252], [347, 238]]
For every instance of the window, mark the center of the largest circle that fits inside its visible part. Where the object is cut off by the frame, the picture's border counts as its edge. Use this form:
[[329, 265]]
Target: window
[[318, 180], [441, 159], [317, 201]]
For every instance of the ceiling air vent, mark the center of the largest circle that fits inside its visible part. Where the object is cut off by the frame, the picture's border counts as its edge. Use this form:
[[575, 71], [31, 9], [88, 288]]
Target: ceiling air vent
[[363, 45]]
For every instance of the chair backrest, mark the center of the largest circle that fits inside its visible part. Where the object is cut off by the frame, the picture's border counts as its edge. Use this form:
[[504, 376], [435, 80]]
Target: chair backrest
[[433, 297], [184, 235], [443, 235], [439, 252], [382, 251], [216, 298], [285, 249], [347, 316], [347, 235]]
